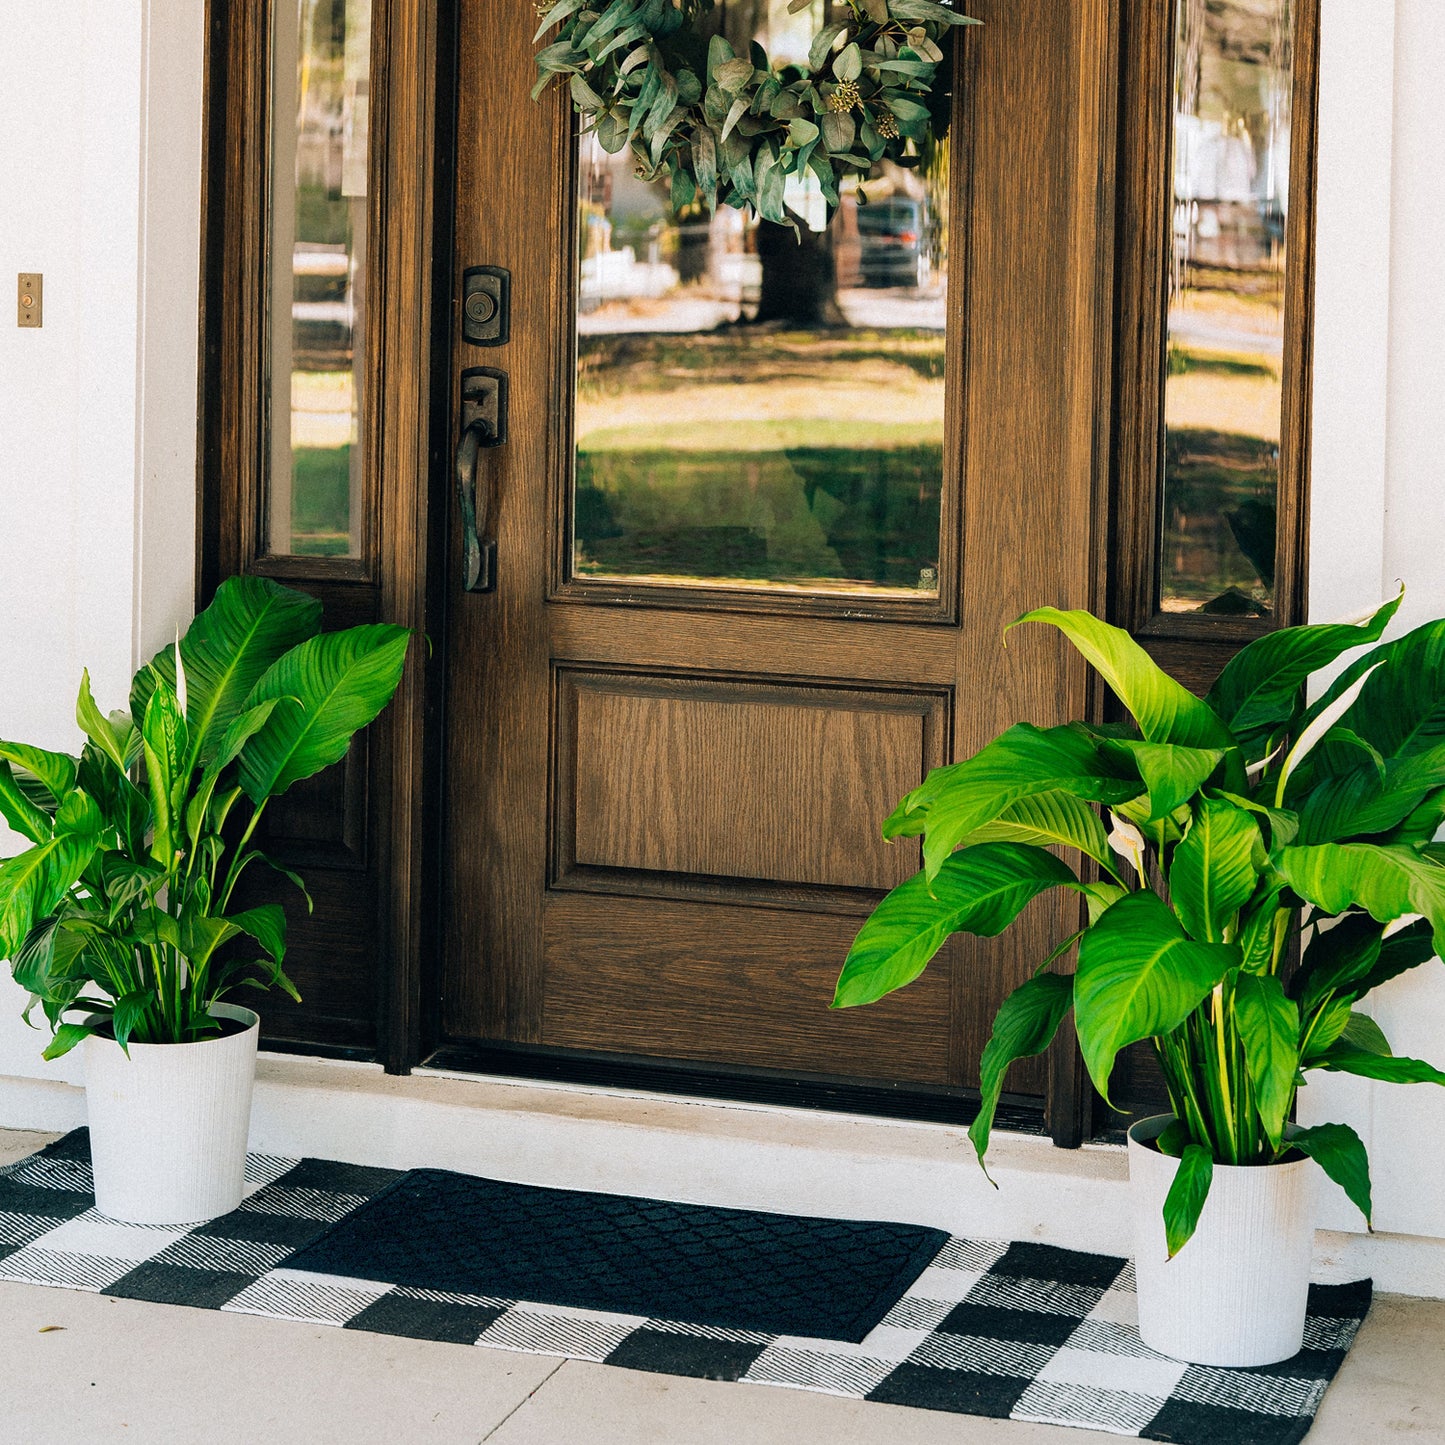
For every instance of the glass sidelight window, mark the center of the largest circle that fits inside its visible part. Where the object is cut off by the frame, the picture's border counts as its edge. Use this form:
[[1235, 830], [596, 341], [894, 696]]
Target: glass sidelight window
[[320, 79], [757, 407], [1233, 79]]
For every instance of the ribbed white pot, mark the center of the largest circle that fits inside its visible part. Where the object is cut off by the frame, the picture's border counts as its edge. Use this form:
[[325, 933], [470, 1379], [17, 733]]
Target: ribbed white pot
[[1236, 1293], [168, 1124]]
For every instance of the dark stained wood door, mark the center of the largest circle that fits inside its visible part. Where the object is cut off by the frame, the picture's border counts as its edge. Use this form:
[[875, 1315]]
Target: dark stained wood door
[[662, 792]]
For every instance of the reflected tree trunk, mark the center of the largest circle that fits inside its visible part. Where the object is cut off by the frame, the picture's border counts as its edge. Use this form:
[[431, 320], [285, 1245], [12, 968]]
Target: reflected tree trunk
[[800, 276]]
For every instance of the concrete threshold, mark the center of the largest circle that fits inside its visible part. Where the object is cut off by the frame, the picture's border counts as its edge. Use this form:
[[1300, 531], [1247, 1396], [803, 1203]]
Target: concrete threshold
[[706, 1151]]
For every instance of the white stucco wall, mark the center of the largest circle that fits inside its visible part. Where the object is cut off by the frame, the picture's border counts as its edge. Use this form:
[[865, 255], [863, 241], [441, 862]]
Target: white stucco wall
[[99, 189]]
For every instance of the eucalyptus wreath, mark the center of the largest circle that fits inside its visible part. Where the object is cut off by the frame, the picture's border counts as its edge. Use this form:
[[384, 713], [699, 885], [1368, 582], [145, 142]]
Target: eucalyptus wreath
[[722, 126]]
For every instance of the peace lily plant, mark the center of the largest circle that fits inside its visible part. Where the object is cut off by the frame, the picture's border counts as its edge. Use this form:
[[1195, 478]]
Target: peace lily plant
[[121, 907], [1238, 824]]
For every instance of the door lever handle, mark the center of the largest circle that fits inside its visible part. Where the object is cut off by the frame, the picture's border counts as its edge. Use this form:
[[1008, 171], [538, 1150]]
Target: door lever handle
[[483, 424]]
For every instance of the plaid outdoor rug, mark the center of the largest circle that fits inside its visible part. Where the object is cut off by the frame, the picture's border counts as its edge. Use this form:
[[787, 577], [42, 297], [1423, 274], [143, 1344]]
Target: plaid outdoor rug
[[1016, 1331]]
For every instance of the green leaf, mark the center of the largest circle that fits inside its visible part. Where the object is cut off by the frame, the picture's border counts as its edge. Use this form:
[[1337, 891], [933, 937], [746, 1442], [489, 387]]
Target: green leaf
[[1362, 1032], [1401, 709], [1172, 774], [1023, 762], [1343, 1058], [1024, 1026], [1338, 959], [33, 883], [1269, 1026], [1260, 686], [1166, 711], [1046, 819], [67, 1035], [1215, 868], [342, 681], [164, 743], [24, 816], [267, 925], [250, 623], [201, 934], [97, 727], [823, 43], [1389, 882], [980, 890], [1185, 1200], [848, 64], [1337, 1149], [1283, 824], [54, 771], [1139, 976]]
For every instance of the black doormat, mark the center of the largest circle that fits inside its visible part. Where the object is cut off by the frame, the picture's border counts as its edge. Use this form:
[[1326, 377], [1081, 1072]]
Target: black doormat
[[736, 1269], [1015, 1331]]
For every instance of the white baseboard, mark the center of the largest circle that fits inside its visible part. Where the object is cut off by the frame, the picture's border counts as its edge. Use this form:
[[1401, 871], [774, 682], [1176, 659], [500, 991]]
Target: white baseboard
[[750, 1156]]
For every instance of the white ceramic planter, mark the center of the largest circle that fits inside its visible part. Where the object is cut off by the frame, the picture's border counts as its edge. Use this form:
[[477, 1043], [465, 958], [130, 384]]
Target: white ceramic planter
[[1236, 1293], [168, 1124]]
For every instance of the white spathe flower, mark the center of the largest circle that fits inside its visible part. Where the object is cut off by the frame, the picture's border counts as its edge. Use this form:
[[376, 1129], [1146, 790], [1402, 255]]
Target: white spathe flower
[[180, 675], [1128, 842]]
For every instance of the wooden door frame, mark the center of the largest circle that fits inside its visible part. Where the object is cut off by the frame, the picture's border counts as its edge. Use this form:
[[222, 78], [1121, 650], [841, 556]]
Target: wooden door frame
[[409, 312], [1084, 493]]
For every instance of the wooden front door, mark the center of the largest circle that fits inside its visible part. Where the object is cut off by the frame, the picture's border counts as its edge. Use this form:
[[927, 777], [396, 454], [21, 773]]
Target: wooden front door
[[761, 514]]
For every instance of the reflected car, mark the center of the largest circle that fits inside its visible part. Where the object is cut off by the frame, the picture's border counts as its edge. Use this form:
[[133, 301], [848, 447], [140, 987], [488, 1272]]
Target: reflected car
[[891, 237]]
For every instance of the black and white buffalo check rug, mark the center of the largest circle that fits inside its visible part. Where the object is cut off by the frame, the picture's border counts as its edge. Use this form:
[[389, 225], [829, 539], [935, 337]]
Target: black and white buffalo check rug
[[1015, 1331]]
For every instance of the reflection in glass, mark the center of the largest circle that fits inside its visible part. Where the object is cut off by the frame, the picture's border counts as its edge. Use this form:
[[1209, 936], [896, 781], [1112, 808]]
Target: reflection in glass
[[753, 408], [1222, 393], [320, 77]]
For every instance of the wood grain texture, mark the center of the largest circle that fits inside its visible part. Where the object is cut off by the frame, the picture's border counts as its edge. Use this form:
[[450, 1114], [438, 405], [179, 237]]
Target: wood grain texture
[[640, 976], [742, 781]]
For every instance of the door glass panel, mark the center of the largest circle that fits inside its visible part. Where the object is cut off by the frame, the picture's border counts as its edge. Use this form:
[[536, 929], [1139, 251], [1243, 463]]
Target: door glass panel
[[1233, 74], [755, 409], [321, 79]]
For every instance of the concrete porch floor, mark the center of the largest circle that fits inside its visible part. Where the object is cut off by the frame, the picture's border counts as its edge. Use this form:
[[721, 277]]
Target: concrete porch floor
[[123, 1370]]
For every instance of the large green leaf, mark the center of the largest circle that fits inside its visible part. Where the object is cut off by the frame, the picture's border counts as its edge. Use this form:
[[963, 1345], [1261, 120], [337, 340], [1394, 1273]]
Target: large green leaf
[[1045, 819], [1166, 711], [164, 743], [1139, 975], [1343, 1058], [250, 624], [1337, 1149], [342, 681], [1260, 685], [1023, 762], [54, 771], [980, 890], [1024, 1026], [1401, 709], [1388, 882], [18, 810], [1269, 1025], [1185, 1201], [1216, 867], [1171, 773], [33, 883], [1356, 804]]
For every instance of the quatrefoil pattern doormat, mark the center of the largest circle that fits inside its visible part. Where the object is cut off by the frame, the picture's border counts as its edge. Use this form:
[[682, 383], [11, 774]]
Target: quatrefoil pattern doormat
[[1017, 1331]]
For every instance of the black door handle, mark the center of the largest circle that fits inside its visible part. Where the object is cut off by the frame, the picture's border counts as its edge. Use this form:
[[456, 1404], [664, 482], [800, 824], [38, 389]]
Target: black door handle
[[483, 424]]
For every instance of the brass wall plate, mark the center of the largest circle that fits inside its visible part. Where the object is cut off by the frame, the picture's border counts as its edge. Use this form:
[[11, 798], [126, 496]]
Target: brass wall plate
[[29, 296]]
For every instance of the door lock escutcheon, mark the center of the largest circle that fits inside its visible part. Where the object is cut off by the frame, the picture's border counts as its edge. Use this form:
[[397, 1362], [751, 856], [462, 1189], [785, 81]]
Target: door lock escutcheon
[[486, 305]]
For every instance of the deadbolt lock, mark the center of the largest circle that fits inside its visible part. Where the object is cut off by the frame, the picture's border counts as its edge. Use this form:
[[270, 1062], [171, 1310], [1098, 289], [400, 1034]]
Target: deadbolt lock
[[486, 305]]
